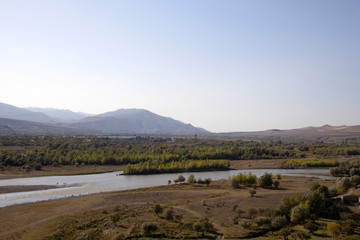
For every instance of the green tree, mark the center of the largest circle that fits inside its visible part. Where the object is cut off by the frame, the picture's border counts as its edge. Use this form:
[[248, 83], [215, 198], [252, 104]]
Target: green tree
[[265, 180], [157, 209], [191, 179], [298, 214], [333, 228]]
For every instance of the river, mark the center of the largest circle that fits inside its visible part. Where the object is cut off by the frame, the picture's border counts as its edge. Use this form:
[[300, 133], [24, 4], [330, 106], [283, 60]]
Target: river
[[76, 185]]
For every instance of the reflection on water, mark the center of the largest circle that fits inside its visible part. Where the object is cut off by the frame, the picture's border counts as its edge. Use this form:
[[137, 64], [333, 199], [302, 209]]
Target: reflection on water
[[77, 185]]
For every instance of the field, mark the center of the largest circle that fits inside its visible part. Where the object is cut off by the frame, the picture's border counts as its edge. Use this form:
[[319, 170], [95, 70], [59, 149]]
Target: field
[[105, 216]]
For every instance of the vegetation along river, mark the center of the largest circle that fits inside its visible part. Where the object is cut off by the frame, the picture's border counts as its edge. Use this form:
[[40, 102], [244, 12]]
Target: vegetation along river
[[77, 185]]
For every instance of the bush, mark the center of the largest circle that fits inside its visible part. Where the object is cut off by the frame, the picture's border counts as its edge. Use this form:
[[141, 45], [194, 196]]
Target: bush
[[170, 215], [301, 236], [252, 212], [311, 226], [348, 226], [261, 221], [298, 214], [278, 176], [333, 228], [235, 183], [265, 180], [252, 192], [276, 184], [180, 179], [279, 222], [148, 228], [191, 179], [157, 209]]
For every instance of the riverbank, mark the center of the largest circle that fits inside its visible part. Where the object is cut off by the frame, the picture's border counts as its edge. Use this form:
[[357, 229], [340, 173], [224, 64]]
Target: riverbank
[[19, 172], [24, 188], [218, 202]]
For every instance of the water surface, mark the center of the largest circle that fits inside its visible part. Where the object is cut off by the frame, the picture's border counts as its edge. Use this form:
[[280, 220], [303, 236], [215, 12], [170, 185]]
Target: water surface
[[76, 185]]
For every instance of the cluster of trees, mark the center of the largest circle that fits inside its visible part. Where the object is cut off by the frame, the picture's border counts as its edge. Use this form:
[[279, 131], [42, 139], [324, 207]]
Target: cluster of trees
[[248, 179], [192, 180], [153, 167], [303, 209], [350, 168], [50, 150], [311, 163]]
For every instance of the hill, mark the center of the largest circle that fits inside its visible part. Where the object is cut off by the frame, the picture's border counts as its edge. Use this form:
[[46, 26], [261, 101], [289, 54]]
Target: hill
[[60, 114], [136, 121], [13, 126], [325, 132], [12, 112]]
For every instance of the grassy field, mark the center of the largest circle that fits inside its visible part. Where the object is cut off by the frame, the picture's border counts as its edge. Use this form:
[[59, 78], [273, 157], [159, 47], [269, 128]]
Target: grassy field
[[122, 214]]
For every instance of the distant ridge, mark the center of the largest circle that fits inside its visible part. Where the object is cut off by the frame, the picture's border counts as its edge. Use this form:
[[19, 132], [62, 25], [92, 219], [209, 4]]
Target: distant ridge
[[60, 114], [309, 133], [12, 112], [14, 120], [137, 121]]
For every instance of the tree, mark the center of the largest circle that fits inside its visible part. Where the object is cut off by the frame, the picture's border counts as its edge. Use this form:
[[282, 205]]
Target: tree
[[169, 182], [191, 179], [170, 214], [298, 214], [180, 179], [333, 228], [278, 176], [157, 209], [279, 222], [276, 184], [149, 228], [265, 180]]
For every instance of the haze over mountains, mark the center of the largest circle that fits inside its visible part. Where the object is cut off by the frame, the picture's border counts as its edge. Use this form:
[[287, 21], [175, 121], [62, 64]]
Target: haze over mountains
[[15, 120], [58, 121]]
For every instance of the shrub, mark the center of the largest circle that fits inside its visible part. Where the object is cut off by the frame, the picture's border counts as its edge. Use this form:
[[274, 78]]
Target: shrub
[[235, 183], [265, 180], [298, 214], [261, 221], [170, 215], [157, 209], [276, 184], [252, 212], [148, 228], [191, 179], [180, 179], [279, 222], [252, 192], [333, 228], [311, 226], [348, 226], [301, 236], [278, 176]]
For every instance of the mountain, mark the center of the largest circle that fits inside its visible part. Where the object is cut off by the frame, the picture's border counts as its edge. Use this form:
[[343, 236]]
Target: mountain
[[12, 112], [13, 126], [136, 121], [325, 132], [62, 115]]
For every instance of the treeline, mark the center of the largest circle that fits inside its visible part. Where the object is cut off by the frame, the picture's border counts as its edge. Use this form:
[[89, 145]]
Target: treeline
[[351, 168], [310, 163], [153, 167], [50, 150]]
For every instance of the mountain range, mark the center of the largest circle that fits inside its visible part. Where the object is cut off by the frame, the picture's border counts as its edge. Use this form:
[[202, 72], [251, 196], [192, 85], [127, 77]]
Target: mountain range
[[15, 120]]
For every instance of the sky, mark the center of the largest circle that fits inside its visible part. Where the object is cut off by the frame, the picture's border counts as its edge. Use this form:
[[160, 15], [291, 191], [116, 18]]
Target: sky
[[242, 65]]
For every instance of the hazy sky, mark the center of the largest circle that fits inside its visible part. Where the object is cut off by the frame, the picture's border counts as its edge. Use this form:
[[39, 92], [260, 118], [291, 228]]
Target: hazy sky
[[221, 65]]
